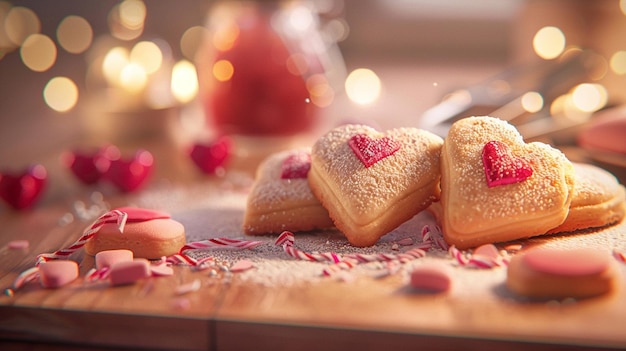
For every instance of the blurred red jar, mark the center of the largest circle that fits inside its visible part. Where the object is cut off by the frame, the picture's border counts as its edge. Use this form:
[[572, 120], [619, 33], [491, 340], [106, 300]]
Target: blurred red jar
[[262, 68]]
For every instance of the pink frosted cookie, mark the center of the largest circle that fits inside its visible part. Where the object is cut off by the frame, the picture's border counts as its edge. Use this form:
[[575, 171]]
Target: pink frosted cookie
[[148, 234], [496, 188], [371, 182], [558, 273], [280, 198]]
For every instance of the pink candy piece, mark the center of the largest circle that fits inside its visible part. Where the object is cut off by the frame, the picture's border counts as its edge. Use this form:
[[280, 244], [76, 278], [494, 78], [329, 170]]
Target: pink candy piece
[[18, 244], [55, 274], [574, 262], [161, 270], [107, 258], [434, 278], [241, 266], [488, 251], [128, 272]]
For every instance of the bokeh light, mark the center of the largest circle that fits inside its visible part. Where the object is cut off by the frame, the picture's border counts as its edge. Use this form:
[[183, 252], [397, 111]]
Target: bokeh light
[[114, 62], [363, 86], [60, 94], [38, 52], [589, 97], [532, 102], [549, 42], [223, 70], [74, 34], [148, 55], [618, 61], [19, 23], [191, 40], [133, 78], [184, 81], [126, 19], [320, 92]]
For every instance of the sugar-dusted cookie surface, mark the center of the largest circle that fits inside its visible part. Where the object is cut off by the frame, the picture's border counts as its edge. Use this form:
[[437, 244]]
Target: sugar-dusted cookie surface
[[371, 182], [280, 198], [599, 200], [495, 187]]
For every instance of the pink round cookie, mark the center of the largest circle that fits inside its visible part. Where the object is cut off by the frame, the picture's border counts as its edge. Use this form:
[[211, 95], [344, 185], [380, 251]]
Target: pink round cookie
[[558, 273], [147, 233]]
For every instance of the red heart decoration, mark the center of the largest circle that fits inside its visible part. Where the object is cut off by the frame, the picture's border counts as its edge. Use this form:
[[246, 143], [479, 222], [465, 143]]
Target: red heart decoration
[[89, 167], [296, 165], [129, 174], [21, 191], [209, 157], [370, 151], [502, 167]]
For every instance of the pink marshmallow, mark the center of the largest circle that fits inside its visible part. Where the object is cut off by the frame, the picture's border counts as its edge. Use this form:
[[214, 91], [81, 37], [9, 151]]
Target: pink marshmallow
[[107, 258], [432, 277], [55, 274], [128, 272], [18, 244], [488, 251]]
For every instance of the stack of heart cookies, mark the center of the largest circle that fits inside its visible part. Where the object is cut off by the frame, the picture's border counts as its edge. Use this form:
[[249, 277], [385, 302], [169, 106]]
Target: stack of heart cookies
[[483, 183]]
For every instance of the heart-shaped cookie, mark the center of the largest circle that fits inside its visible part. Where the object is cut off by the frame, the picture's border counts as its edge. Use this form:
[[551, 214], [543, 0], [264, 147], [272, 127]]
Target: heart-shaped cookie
[[280, 198], [495, 187], [371, 182]]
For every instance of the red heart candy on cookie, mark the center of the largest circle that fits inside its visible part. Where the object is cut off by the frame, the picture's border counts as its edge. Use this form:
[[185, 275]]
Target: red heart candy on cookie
[[370, 150], [501, 166], [129, 174], [209, 157], [21, 190], [296, 165]]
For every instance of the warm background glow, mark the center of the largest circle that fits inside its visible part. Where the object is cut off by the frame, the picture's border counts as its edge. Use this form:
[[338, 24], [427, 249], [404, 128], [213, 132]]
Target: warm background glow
[[74, 34], [38, 52]]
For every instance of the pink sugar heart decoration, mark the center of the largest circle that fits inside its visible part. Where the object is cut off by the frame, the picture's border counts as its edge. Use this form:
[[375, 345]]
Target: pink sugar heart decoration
[[502, 167], [22, 190], [209, 157], [370, 151], [296, 165], [129, 174], [88, 167]]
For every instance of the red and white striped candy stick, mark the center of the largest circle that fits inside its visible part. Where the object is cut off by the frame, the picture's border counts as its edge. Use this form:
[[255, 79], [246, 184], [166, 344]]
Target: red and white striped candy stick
[[114, 216], [434, 237], [31, 274], [410, 255], [619, 255], [345, 264], [221, 243], [286, 240]]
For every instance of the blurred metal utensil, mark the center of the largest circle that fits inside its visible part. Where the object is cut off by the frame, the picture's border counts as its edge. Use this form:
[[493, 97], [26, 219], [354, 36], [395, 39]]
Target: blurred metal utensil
[[500, 95]]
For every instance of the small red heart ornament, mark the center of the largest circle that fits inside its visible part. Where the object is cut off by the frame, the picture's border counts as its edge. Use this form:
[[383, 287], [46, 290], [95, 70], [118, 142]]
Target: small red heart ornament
[[296, 165], [22, 190], [501, 166], [89, 167], [129, 174], [370, 151], [209, 157]]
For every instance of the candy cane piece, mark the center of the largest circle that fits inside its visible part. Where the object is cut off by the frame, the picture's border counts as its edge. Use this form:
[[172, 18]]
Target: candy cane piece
[[221, 243], [114, 216]]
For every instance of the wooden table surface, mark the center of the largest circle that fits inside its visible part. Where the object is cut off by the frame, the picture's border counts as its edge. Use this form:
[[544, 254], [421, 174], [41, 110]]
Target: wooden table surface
[[280, 303]]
